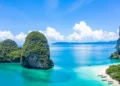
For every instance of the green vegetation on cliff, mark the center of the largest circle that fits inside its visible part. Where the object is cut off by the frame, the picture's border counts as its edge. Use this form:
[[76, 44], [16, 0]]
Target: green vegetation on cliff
[[9, 51], [116, 54], [114, 72], [36, 53]]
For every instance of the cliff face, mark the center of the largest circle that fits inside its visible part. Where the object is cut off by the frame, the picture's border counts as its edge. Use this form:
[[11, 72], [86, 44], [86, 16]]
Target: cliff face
[[36, 53], [116, 55], [118, 46], [9, 51]]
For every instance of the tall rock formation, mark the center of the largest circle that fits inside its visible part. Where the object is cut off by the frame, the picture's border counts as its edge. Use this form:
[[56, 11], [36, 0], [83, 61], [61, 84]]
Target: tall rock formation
[[116, 55], [9, 51], [36, 53]]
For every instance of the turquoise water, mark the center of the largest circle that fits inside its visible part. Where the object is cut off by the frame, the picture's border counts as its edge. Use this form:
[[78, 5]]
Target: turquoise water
[[70, 63]]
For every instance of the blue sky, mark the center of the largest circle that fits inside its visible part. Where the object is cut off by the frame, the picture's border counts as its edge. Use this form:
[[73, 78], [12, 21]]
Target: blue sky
[[19, 17]]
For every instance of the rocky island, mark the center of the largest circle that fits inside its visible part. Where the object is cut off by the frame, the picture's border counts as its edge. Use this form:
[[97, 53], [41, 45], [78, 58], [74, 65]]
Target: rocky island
[[114, 70], [35, 52], [9, 51], [116, 54]]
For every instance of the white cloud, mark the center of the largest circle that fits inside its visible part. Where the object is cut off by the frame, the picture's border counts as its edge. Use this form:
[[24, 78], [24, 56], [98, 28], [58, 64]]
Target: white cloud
[[5, 35], [52, 34], [74, 36], [100, 35], [82, 32], [20, 37]]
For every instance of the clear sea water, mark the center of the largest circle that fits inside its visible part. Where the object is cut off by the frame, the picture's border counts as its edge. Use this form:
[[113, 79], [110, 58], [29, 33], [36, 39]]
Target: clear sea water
[[67, 59]]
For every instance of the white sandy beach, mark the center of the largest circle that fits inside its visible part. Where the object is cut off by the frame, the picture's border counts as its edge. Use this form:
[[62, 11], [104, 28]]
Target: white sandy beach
[[93, 72], [101, 70]]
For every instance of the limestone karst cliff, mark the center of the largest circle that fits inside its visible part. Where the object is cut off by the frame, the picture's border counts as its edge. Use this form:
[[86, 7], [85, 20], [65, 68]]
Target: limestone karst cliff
[[116, 54], [36, 53]]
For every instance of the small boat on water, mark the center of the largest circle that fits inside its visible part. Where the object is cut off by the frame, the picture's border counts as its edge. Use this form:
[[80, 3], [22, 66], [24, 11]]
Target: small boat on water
[[104, 79], [110, 83], [100, 75], [103, 76], [89, 65]]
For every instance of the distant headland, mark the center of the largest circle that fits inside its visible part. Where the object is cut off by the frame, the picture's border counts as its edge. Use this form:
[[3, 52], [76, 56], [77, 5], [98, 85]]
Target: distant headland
[[77, 43]]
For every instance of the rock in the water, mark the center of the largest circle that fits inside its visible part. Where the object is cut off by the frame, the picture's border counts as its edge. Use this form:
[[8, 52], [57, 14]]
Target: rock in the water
[[8, 51], [36, 53], [116, 55]]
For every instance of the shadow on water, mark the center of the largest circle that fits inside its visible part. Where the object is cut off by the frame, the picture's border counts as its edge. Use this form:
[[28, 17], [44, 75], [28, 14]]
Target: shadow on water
[[47, 76], [43, 76]]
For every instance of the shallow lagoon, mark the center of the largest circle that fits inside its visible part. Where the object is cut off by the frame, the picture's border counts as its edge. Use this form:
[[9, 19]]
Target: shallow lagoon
[[68, 59]]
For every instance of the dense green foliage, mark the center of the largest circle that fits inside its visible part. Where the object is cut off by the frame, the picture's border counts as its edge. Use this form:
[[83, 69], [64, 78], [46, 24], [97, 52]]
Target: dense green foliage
[[35, 52], [36, 44], [116, 55], [114, 72], [118, 46], [9, 51]]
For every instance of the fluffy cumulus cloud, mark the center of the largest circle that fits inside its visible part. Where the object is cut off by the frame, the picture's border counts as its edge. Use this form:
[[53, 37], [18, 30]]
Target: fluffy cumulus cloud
[[5, 35], [82, 32], [20, 37], [52, 34]]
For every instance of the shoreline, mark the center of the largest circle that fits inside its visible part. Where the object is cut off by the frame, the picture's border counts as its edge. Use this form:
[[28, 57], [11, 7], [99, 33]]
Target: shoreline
[[100, 72]]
